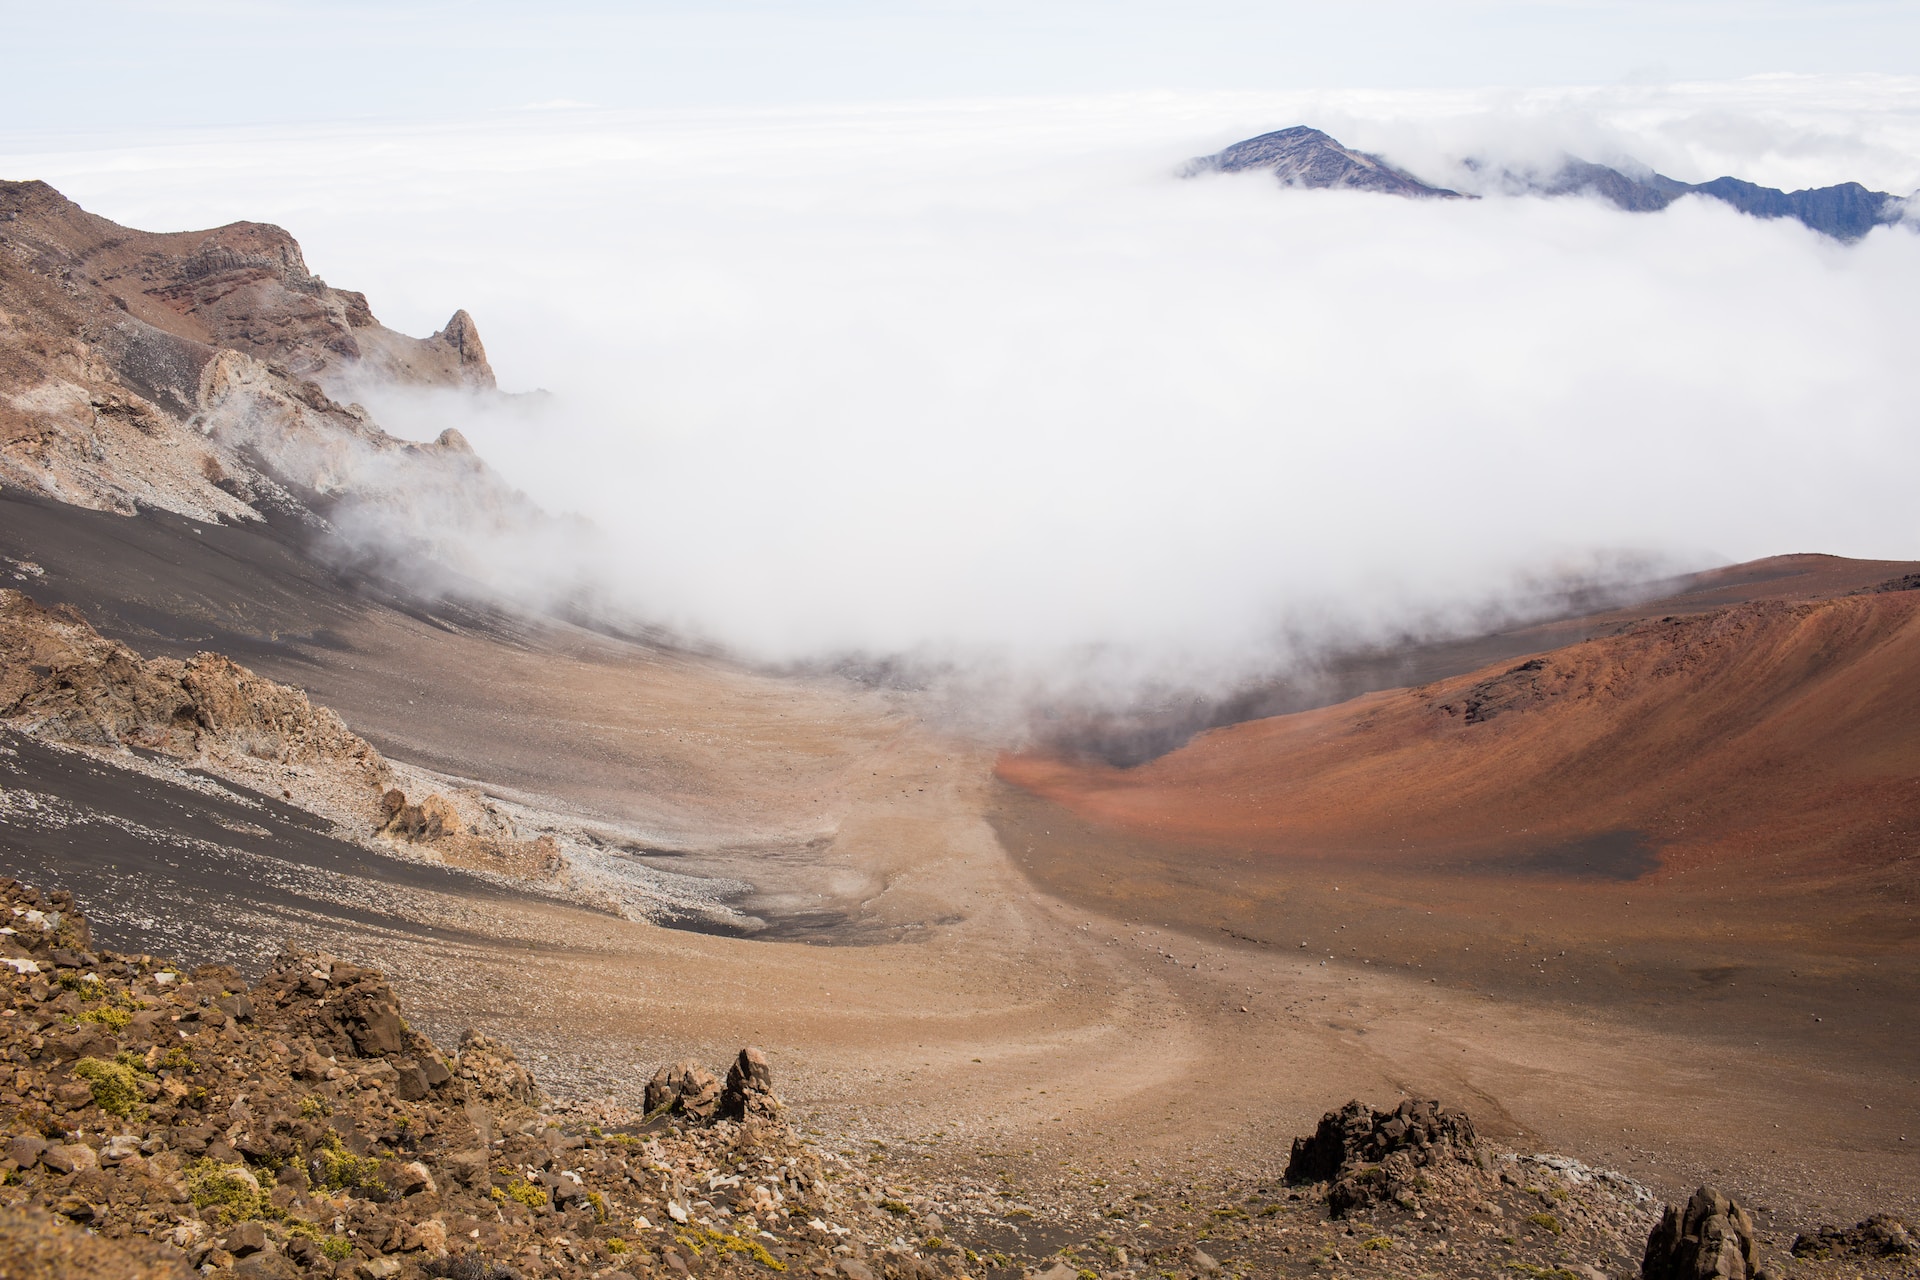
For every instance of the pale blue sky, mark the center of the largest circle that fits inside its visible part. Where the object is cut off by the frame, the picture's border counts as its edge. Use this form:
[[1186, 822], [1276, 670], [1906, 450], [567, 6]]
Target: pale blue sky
[[97, 65]]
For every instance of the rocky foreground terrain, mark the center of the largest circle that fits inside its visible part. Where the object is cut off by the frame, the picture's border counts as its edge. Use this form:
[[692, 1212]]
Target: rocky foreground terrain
[[158, 1120]]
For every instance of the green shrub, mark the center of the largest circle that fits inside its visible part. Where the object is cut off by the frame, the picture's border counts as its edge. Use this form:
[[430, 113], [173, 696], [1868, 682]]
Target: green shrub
[[336, 1167], [230, 1191], [527, 1193], [1545, 1221], [116, 1090], [336, 1247]]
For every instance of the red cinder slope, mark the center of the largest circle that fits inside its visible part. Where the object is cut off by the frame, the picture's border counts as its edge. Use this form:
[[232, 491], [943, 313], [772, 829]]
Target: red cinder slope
[[1777, 730]]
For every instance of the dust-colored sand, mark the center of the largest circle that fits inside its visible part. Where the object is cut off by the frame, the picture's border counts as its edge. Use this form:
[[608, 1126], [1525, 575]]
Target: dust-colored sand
[[1036, 990]]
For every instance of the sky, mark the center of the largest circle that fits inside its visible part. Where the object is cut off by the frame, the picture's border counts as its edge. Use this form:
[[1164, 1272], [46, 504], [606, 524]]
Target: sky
[[891, 330], [162, 63]]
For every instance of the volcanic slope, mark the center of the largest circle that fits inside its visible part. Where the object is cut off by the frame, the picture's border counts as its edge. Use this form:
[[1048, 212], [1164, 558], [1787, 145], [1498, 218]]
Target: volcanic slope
[[1777, 730]]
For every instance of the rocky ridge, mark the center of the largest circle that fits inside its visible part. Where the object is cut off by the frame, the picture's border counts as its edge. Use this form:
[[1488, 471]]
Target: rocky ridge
[[1309, 158], [197, 372]]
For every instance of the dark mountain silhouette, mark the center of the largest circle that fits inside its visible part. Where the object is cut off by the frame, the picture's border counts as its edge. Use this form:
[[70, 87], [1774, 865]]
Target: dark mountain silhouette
[[1307, 157]]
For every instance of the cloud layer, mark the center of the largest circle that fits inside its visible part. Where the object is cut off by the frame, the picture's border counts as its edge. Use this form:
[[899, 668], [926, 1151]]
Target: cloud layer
[[986, 382]]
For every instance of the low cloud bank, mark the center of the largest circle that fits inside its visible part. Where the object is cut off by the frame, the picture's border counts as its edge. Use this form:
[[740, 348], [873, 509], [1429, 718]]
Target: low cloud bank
[[989, 387]]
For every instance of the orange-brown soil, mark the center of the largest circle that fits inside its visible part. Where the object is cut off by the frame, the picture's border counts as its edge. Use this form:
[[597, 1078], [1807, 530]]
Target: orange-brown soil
[[1701, 827], [1777, 736]]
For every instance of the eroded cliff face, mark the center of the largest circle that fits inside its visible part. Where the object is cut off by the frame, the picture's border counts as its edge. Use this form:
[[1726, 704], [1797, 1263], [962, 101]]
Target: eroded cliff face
[[188, 372]]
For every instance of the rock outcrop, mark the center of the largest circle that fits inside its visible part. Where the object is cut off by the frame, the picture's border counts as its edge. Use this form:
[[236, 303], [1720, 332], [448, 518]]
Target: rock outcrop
[[749, 1094], [1369, 1157], [62, 681], [210, 373], [684, 1088], [472, 834], [1880, 1236], [1709, 1238]]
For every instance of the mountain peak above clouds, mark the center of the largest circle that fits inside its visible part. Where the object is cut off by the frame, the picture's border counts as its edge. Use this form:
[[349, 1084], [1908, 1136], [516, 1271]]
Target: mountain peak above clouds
[[1845, 211], [1306, 157]]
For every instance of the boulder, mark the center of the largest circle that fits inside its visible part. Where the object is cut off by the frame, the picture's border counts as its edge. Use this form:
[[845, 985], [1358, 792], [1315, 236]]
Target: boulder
[[1711, 1238], [1880, 1236], [686, 1088], [245, 1238], [749, 1092], [70, 1158], [1371, 1156]]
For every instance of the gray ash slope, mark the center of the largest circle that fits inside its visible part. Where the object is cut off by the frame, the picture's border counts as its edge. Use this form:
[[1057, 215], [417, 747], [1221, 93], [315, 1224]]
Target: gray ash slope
[[1306, 157]]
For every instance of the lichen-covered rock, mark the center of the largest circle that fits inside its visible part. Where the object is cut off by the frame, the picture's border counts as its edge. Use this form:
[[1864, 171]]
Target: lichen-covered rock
[[1711, 1238]]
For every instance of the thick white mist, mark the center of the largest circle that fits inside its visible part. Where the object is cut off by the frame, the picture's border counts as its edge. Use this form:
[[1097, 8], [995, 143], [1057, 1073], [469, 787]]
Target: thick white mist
[[988, 382]]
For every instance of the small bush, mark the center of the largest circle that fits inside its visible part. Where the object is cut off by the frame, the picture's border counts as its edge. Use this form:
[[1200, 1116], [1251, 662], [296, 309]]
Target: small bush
[[1377, 1244], [87, 986], [895, 1207], [116, 1090], [725, 1243], [616, 1246], [336, 1247], [109, 1017], [335, 1167], [230, 1191], [313, 1107], [527, 1193], [1545, 1221]]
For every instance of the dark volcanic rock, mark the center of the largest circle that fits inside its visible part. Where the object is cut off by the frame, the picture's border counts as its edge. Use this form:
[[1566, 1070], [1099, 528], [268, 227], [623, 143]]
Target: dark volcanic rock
[[685, 1087], [1303, 157], [1371, 1156], [1710, 1239], [749, 1092], [1881, 1236]]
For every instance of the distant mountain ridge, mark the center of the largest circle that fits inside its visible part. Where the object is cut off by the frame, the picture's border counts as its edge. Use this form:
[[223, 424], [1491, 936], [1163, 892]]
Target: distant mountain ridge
[[1306, 157], [1311, 158]]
